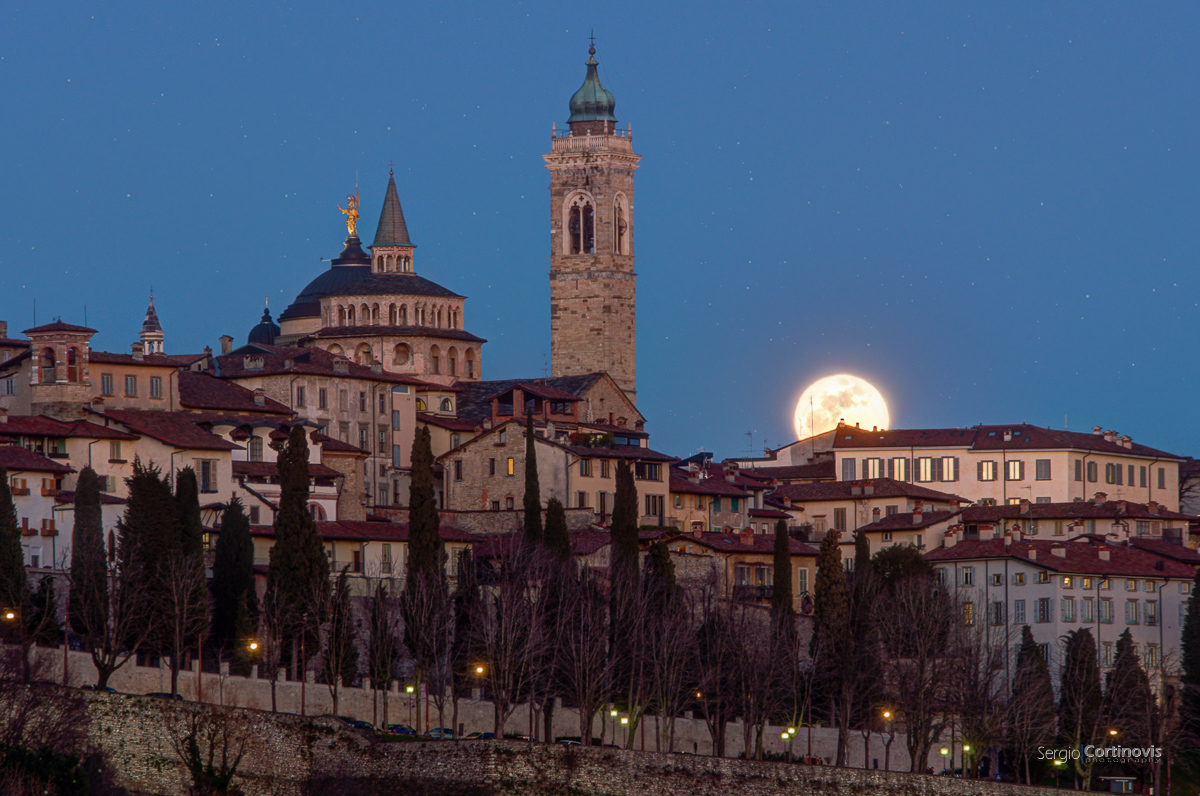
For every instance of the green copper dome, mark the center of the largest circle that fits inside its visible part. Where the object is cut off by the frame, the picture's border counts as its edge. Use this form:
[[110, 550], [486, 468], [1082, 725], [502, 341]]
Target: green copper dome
[[592, 102]]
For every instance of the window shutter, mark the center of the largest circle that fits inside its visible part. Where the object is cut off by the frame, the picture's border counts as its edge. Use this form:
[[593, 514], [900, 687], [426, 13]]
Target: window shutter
[[1021, 471], [978, 471]]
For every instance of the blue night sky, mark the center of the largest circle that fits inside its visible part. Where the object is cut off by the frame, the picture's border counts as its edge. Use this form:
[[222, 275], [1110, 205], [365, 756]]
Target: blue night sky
[[988, 212]]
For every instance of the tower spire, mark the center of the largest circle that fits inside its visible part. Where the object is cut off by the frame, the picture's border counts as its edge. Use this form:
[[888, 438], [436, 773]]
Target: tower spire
[[152, 331]]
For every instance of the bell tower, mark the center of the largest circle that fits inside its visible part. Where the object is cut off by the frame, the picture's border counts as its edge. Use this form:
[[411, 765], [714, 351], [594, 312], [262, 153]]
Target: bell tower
[[592, 281]]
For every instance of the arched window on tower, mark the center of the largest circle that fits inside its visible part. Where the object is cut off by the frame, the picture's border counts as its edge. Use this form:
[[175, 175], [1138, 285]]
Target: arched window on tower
[[620, 227], [364, 355], [447, 406], [375, 314], [48, 375], [336, 350], [470, 363], [452, 361], [379, 263], [404, 315], [72, 365], [350, 315], [581, 226], [435, 360], [365, 317], [341, 315], [401, 355], [387, 263]]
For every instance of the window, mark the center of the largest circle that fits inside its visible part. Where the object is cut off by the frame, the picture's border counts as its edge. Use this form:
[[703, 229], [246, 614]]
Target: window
[[735, 507], [491, 466], [986, 470], [1150, 613], [890, 510], [458, 469], [1131, 612], [131, 386], [715, 506], [968, 576], [208, 475], [502, 437], [968, 613], [508, 503], [1043, 577], [395, 456], [1130, 584], [1106, 654], [997, 580], [322, 398], [106, 384], [1162, 478], [1014, 470], [363, 439], [654, 505], [1045, 612], [1149, 585], [383, 441], [1143, 527], [495, 505], [647, 471], [1141, 477], [949, 468], [299, 395], [1068, 582], [602, 502], [898, 469], [447, 405], [383, 403], [997, 613], [848, 469], [887, 536], [1019, 612], [585, 467], [356, 564], [1089, 610], [802, 580], [362, 401], [581, 500], [1131, 474], [1105, 584], [255, 448], [1151, 659], [385, 558], [872, 468], [254, 514], [1106, 611], [511, 466], [1068, 609], [114, 451], [839, 519], [455, 440], [1093, 472], [1041, 469], [1044, 651], [1112, 473], [1078, 469], [1019, 579], [925, 469]]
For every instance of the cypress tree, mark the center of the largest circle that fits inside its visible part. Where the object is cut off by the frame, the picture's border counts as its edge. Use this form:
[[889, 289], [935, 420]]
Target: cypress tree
[[781, 589], [298, 572], [43, 624], [187, 502], [12, 557], [425, 550], [659, 578], [831, 605], [234, 600], [533, 494], [1189, 706], [1129, 704], [1031, 709], [557, 538], [88, 599], [624, 533], [1080, 697], [149, 541]]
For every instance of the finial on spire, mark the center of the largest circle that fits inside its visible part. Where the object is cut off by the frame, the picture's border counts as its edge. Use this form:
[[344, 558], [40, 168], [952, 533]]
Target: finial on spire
[[391, 168], [592, 49]]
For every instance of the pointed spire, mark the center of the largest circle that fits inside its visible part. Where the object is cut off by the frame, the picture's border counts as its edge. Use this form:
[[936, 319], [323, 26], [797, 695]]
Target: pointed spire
[[392, 231], [151, 324]]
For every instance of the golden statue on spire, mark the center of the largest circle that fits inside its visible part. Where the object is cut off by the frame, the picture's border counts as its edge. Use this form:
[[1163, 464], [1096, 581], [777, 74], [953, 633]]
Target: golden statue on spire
[[351, 213]]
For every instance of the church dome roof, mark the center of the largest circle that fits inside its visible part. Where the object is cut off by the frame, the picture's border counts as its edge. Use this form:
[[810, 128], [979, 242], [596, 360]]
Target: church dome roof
[[265, 331], [308, 303], [592, 102]]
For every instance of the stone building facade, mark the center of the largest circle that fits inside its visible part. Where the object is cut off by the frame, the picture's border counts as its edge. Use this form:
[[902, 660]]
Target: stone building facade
[[592, 281]]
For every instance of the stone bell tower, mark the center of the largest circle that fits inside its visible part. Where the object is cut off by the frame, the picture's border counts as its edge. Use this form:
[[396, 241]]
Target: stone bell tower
[[592, 281]]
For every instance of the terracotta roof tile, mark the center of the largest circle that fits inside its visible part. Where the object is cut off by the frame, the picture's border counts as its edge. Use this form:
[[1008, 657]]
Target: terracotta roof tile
[[906, 521], [173, 428], [845, 490], [1081, 556], [40, 426], [1018, 436], [204, 391], [707, 486], [13, 457], [1081, 509]]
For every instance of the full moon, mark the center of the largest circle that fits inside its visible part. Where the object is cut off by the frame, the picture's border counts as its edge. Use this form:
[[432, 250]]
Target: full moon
[[841, 397]]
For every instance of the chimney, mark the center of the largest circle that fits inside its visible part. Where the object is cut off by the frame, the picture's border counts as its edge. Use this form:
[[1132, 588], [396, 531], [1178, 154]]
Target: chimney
[[1008, 539], [549, 430], [1152, 507], [137, 351], [226, 344], [875, 514], [376, 366], [4, 329], [918, 512], [1008, 435], [1097, 430], [1032, 553], [260, 397], [1058, 549], [3, 415], [1126, 441], [1024, 506], [950, 537], [1016, 532], [747, 537], [1110, 436], [868, 489], [1104, 552], [856, 489], [1100, 497]]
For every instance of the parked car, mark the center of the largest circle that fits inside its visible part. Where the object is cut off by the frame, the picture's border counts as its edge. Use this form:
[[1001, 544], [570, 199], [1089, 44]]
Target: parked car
[[569, 742], [480, 736], [358, 724], [165, 695], [401, 729], [440, 733]]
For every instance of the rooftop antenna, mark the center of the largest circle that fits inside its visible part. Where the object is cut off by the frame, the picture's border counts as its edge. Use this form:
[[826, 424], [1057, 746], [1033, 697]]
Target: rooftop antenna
[[750, 434], [545, 367], [85, 315], [35, 312]]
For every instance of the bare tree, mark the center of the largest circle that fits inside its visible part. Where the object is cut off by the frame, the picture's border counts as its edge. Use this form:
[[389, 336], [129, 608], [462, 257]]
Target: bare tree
[[211, 744], [980, 685], [671, 664], [717, 691], [581, 635], [185, 608], [428, 623], [381, 648], [915, 624], [339, 653]]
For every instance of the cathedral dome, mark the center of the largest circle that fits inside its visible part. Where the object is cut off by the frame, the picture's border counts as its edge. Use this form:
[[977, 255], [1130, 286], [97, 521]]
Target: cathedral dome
[[265, 331], [592, 102]]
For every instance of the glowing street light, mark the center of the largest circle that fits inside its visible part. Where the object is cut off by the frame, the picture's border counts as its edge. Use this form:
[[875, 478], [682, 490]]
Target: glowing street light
[[624, 720], [10, 615], [1112, 733], [945, 751], [408, 689], [613, 713], [887, 714], [478, 670], [253, 646]]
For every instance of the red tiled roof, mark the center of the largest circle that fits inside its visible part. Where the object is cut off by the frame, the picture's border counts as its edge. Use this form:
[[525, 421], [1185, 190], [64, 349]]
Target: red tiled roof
[[906, 521], [269, 469], [331, 445], [632, 452], [13, 457], [12, 342], [450, 423], [349, 530], [1167, 549], [173, 428], [68, 496], [770, 514], [1083, 509], [1082, 557], [762, 543], [204, 391], [147, 361], [39, 426], [845, 490], [707, 486], [1021, 436], [59, 326], [819, 471], [584, 543]]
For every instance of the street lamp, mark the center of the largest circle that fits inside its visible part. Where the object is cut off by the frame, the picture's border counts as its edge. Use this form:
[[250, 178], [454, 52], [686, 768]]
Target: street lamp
[[966, 751], [408, 689], [1112, 733], [887, 746], [1058, 764], [945, 751]]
